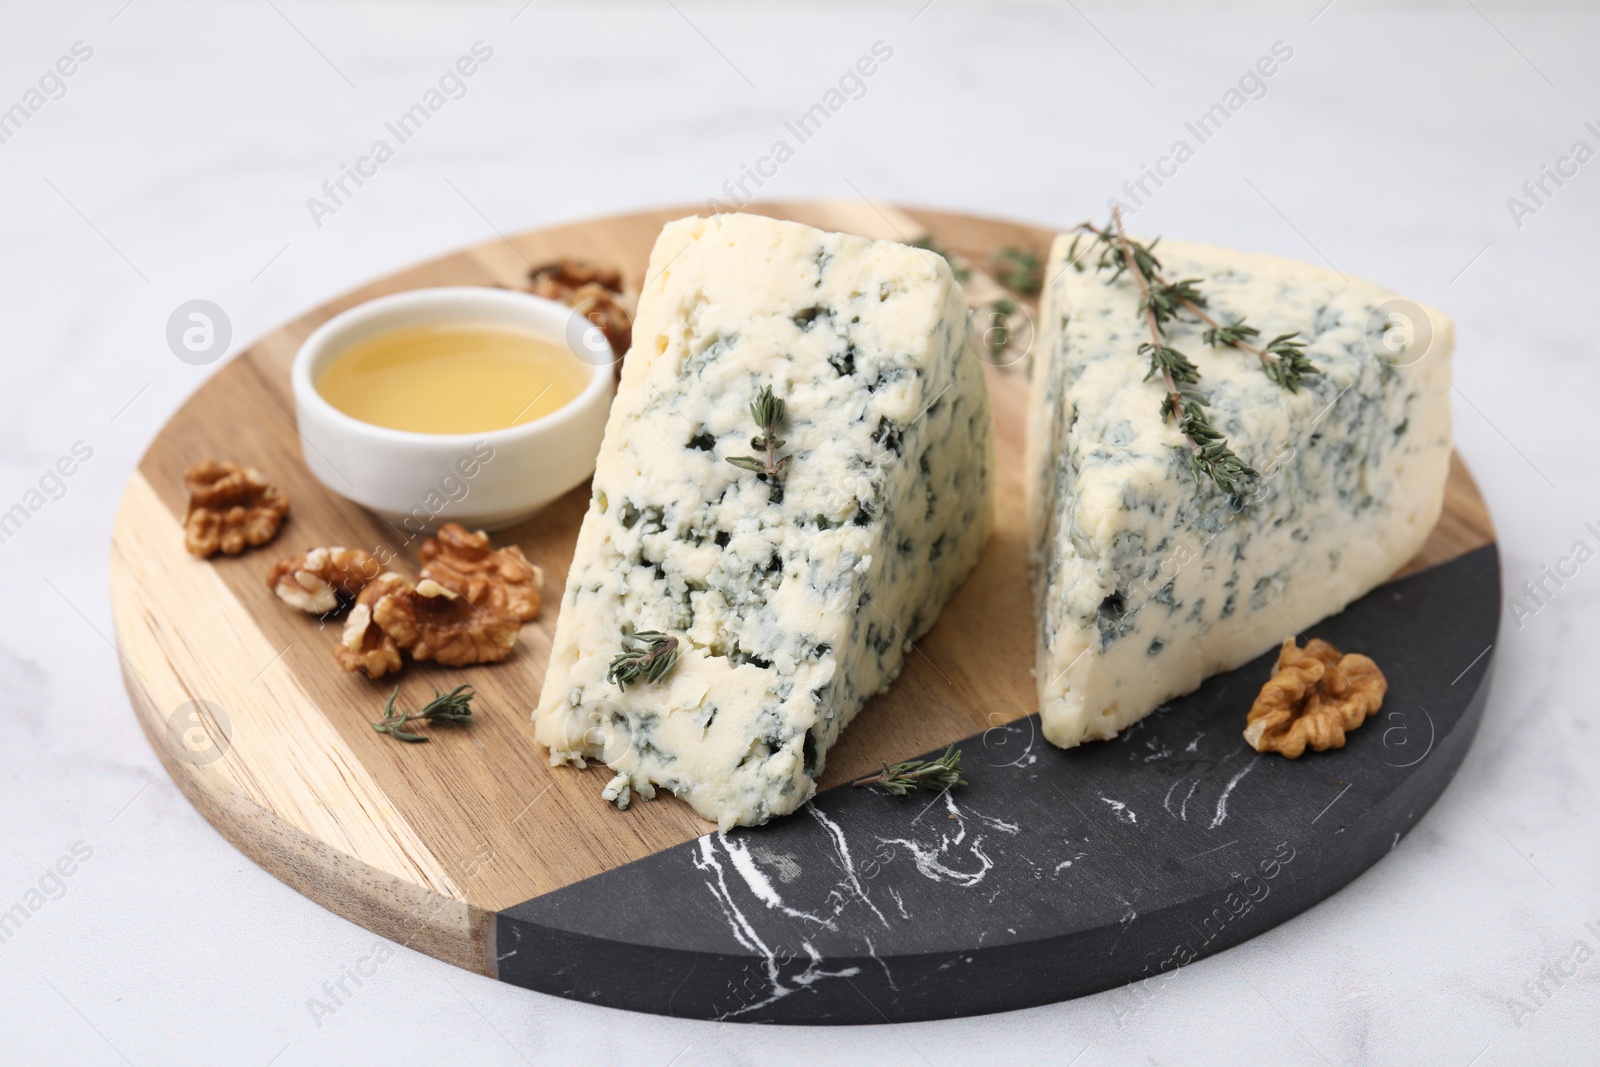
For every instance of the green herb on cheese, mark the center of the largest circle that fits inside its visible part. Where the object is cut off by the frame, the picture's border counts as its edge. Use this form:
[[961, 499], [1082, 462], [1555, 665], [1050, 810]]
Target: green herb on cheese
[[1159, 302], [648, 664], [1282, 359], [767, 410]]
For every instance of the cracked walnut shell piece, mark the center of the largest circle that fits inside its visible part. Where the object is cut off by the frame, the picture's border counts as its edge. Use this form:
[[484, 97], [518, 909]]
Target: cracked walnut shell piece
[[498, 581], [432, 622], [317, 582], [231, 508], [1315, 695], [364, 646]]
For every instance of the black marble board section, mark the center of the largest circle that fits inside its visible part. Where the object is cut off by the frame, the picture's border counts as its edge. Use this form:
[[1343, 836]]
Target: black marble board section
[[1054, 874]]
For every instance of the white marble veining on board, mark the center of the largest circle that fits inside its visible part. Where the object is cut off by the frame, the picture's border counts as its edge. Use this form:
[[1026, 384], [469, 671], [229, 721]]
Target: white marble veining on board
[[177, 161]]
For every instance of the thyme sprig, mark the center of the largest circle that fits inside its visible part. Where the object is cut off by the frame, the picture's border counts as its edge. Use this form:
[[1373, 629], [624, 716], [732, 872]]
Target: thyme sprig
[[767, 410], [1019, 269], [647, 664], [1159, 302], [902, 778], [452, 708], [1282, 359]]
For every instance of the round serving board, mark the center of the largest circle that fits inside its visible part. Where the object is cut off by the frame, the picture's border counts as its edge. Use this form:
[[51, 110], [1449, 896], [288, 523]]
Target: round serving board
[[1053, 874]]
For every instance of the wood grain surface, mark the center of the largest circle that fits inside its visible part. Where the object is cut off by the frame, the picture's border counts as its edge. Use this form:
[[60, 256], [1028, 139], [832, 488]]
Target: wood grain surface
[[424, 843]]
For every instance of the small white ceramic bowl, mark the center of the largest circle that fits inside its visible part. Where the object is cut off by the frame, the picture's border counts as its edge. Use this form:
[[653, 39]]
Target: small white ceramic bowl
[[481, 480]]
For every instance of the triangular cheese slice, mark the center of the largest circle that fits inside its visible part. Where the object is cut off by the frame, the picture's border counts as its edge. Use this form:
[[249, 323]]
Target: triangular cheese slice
[[1147, 581], [793, 599]]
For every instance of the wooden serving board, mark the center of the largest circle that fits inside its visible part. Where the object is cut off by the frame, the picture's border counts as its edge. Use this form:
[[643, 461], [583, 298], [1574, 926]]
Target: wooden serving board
[[1053, 874]]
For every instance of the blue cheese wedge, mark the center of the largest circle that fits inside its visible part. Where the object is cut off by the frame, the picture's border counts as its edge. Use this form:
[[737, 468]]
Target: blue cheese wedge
[[1147, 582], [793, 598]]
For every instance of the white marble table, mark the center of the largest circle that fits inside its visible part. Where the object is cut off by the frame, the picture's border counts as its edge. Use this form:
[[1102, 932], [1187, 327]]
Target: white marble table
[[177, 162]]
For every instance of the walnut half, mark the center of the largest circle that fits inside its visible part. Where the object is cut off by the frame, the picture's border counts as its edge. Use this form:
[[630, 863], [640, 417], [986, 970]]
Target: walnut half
[[498, 581], [364, 646], [230, 508], [468, 607], [432, 622], [319, 581], [1315, 696]]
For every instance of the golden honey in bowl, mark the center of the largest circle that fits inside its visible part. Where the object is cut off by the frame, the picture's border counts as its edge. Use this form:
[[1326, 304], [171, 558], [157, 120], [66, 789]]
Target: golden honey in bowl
[[452, 378]]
